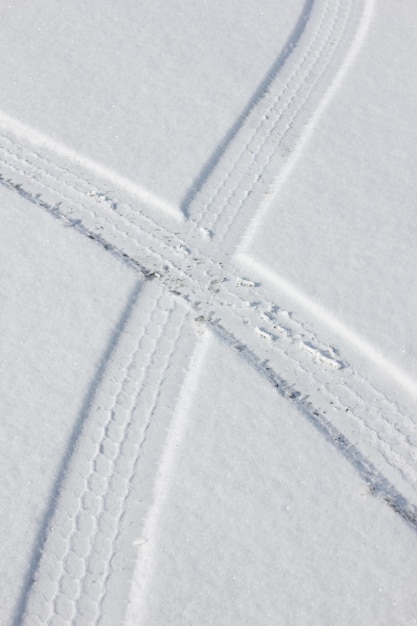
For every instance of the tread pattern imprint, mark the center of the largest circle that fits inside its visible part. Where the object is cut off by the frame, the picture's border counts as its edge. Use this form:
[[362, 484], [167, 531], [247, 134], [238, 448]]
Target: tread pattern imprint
[[189, 282]]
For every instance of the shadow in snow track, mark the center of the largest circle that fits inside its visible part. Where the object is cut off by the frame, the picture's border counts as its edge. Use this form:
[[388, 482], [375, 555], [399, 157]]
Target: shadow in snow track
[[82, 416], [217, 154]]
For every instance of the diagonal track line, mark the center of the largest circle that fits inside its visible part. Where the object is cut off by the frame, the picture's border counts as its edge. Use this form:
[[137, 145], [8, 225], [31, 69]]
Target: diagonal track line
[[79, 557]]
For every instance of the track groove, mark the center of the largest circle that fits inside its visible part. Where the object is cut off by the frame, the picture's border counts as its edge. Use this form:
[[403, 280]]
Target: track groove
[[80, 547]]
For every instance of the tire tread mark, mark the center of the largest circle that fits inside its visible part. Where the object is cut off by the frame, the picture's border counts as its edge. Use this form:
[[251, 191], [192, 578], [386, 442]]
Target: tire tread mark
[[80, 507], [195, 290], [259, 122], [151, 445], [275, 113], [378, 484]]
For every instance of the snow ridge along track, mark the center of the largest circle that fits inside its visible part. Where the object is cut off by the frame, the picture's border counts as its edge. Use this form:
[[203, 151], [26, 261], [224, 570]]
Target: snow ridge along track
[[82, 576], [193, 281]]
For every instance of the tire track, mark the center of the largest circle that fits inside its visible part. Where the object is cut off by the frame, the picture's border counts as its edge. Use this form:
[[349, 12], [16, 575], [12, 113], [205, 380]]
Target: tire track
[[82, 573], [276, 124], [260, 327], [252, 137], [375, 478], [260, 150], [79, 556]]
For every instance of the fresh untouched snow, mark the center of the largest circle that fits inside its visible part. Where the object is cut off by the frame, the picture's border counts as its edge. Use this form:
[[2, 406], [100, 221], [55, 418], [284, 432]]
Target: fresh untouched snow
[[208, 366]]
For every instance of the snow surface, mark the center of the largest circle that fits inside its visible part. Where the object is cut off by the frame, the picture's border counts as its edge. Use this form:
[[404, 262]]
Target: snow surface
[[355, 211], [208, 367], [143, 90], [262, 522]]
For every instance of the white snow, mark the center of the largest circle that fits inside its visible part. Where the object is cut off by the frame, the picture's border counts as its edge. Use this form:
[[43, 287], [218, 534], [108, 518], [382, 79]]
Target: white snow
[[355, 209], [142, 89], [260, 521], [208, 358]]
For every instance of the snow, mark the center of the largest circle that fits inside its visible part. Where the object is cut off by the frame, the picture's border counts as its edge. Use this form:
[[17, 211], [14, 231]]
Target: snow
[[355, 210], [139, 91], [260, 519], [208, 364], [58, 318]]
